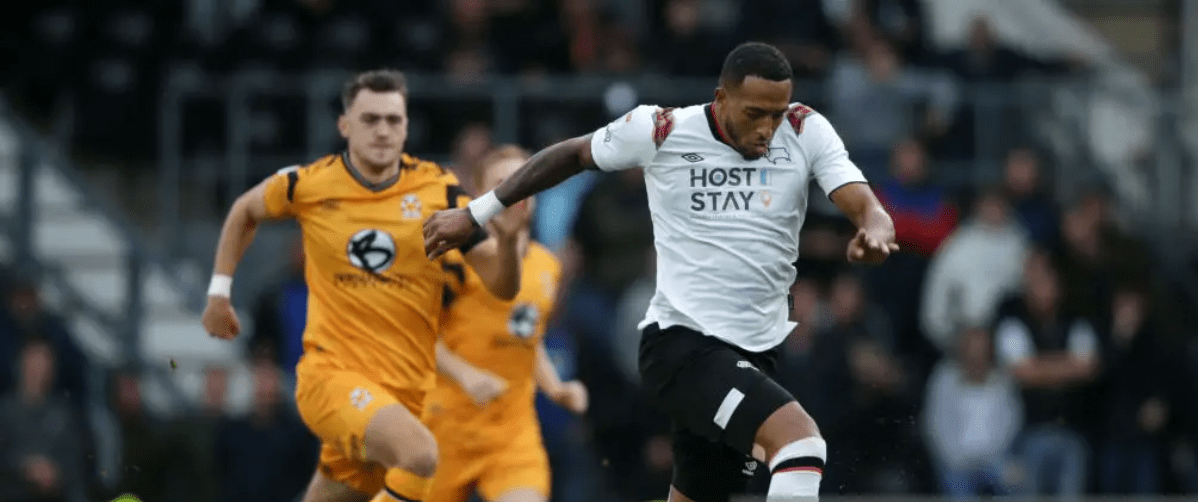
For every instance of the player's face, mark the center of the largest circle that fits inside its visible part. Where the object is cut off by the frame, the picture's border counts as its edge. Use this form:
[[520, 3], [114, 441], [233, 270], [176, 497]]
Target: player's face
[[752, 111], [376, 126], [495, 173]]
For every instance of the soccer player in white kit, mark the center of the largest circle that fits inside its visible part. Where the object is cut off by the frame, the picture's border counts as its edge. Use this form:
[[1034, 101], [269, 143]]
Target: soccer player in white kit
[[727, 184]]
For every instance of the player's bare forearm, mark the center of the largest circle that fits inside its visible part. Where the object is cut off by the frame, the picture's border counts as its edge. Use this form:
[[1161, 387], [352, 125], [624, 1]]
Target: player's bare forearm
[[239, 229], [859, 204], [546, 169], [450, 364], [497, 262], [546, 374]]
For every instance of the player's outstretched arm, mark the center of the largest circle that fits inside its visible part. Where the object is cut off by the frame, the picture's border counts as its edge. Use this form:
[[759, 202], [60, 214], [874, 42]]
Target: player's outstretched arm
[[449, 229], [497, 260], [241, 224], [546, 169], [875, 230], [482, 385], [570, 395]]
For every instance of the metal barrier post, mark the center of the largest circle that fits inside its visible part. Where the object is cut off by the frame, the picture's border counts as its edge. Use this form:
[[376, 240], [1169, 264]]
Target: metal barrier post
[[25, 212], [507, 112], [133, 311], [238, 130], [170, 160]]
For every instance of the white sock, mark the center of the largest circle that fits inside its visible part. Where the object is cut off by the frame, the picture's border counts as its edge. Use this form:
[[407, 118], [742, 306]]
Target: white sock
[[797, 469]]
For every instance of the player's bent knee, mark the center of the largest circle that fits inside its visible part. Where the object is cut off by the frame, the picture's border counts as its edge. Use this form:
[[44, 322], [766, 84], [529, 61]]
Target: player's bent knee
[[396, 438], [322, 489], [421, 460], [808, 454], [784, 426]]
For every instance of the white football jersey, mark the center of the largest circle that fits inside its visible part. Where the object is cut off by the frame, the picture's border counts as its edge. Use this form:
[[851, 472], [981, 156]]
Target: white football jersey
[[726, 229]]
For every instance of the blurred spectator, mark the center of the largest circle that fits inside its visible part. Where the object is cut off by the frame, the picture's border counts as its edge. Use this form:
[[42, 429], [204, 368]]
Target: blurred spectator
[[923, 215], [281, 313], [971, 418], [528, 37], [857, 389], [467, 25], [42, 439], [611, 248], [473, 142], [1137, 383], [800, 28], [614, 232], [267, 456], [278, 37], [27, 319], [901, 22], [876, 101], [142, 456], [986, 60], [584, 34], [1094, 254], [851, 313], [1054, 356], [1023, 180], [575, 470], [684, 47], [190, 442], [979, 265]]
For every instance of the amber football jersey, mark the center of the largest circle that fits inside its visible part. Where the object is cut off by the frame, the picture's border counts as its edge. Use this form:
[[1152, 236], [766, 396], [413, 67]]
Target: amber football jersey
[[374, 296], [498, 336]]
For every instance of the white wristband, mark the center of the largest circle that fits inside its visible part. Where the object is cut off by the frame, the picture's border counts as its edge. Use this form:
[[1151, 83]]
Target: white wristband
[[221, 285], [486, 207]]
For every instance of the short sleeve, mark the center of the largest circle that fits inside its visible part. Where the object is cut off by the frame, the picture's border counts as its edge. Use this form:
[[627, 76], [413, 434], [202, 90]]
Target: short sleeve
[[1014, 342], [455, 277], [280, 192], [626, 142], [455, 197], [830, 164]]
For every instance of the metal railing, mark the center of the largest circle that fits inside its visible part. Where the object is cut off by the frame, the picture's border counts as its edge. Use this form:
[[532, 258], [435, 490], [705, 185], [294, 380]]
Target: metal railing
[[1060, 111], [123, 327], [503, 97]]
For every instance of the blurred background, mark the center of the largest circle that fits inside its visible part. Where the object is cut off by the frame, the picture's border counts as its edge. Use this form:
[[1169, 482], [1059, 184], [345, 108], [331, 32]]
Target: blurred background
[[1038, 334]]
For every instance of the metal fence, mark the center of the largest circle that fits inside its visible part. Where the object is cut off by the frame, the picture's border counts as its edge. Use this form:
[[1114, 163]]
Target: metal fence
[[1055, 113]]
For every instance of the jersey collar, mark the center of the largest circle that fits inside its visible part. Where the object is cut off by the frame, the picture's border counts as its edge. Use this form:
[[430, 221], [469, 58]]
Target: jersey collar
[[373, 187], [716, 131]]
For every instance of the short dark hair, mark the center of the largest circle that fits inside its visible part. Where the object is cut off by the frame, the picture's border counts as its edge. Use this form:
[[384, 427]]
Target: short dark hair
[[385, 80], [755, 59]]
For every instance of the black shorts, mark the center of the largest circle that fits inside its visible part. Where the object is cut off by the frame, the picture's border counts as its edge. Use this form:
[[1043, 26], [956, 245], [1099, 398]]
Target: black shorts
[[717, 395]]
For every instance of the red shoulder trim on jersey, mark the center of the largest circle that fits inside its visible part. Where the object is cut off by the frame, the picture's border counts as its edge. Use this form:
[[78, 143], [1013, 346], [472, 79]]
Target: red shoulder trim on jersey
[[663, 124], [796, 115]]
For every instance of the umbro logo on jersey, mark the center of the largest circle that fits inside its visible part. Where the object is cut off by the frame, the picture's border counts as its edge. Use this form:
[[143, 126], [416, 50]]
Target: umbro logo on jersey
[[692, 157], [777, 153]]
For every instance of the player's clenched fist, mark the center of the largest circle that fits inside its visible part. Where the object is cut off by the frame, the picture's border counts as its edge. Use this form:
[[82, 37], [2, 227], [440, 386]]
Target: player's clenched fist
[[220, 320], [446, 230], [872, 246], [483, 386], [572, 396]]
